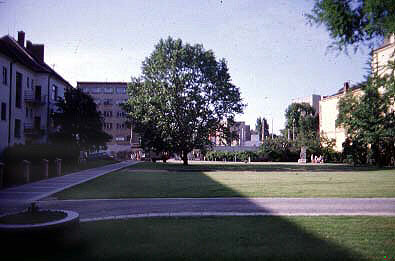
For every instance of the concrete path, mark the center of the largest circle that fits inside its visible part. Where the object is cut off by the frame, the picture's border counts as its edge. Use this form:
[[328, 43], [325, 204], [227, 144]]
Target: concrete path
[[15, 198], [102, 209]]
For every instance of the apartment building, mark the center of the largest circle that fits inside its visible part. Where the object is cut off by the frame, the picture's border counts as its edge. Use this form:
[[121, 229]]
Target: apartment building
[[108, 96], [313, 100], [329, 111], [329, 104], [242, 131], [29, 89]]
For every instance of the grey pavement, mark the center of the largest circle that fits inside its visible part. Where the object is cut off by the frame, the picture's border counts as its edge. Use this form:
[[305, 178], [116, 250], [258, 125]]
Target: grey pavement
[[102, 209], [19, 197]]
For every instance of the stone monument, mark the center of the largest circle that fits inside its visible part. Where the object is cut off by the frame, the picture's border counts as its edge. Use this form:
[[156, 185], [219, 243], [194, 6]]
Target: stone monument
[[302, 155]]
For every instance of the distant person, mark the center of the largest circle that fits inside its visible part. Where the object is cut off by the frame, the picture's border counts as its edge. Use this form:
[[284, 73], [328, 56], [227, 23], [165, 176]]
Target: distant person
[[312, 158]]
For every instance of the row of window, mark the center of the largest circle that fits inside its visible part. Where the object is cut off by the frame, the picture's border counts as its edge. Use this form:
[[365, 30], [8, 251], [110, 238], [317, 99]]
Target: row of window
[[120, 138], [120, 114], [118, 90], [108, 101], [108, 125]]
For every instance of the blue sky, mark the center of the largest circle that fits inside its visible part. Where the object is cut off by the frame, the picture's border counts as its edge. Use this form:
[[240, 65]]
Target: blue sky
[[273, 54]]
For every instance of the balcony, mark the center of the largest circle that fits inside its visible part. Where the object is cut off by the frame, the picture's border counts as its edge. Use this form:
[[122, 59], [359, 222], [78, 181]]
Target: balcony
[[33, 131], [34, 99]]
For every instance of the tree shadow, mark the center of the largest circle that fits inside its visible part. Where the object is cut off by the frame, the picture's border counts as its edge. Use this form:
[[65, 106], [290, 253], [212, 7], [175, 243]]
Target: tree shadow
[[277, 239]]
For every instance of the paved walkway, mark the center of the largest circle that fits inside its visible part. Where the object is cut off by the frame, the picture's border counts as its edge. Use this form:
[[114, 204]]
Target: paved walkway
[[102, 209], [15, 198]]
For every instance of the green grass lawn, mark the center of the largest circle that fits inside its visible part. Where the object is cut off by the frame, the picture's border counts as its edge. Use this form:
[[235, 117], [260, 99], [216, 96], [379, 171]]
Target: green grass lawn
[[230, 238], [143, 181]]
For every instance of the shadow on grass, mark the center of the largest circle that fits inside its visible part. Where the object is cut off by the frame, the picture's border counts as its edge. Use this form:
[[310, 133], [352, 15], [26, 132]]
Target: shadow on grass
[[224, 238]]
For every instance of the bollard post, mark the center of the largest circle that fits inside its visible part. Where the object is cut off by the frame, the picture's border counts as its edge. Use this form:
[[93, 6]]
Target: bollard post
[[1, 174], [58, 164], [26, 170], [45, 168]]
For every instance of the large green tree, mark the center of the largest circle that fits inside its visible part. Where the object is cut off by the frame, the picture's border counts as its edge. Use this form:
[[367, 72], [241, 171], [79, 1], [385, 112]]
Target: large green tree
[[301, 122], [183, 96], [77, 122], [369, 120], [351, 23]]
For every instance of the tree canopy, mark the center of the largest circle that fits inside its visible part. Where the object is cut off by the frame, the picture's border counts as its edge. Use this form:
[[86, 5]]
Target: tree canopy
[[183, 96], [77, 122], [301, 121], [351, 23], [369, 120]]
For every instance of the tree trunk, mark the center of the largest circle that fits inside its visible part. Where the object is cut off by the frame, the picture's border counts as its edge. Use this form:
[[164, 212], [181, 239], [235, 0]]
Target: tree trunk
[[185, 158]]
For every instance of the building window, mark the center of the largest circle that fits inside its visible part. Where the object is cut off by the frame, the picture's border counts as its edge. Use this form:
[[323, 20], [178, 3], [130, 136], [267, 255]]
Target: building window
[[120, 138], [121, 90], [4, 75], [27, 83], [17, 128], [121, 125], [108, 125], [107, 102], [54, 92], [108, 90], [121, 114], [96, 90], [3, 111], [18, 90]]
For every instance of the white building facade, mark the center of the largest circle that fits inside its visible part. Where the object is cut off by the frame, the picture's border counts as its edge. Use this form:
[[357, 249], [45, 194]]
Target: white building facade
[[29, 89]]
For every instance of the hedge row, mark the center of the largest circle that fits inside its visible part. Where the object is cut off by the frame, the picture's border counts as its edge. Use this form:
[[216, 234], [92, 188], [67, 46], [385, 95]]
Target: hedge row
[[269, 155]]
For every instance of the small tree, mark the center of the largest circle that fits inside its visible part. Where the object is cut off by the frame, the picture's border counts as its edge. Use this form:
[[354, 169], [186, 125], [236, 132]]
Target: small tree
[[183, 96], [77, 122]]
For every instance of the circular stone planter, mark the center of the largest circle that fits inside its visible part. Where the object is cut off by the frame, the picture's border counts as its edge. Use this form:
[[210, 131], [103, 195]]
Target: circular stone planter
[[61, 232]]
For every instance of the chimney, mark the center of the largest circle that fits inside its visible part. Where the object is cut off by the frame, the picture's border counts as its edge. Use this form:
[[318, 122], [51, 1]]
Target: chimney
[[37, 50], [29, 45], [346, 87], [21, 38]]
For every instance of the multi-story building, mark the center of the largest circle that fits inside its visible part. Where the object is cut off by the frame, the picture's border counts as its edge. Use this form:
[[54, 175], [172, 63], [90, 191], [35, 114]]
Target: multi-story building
[[313, 100], [329, 104], [108, 96], [242, 135], [328, 114], [29, 90]]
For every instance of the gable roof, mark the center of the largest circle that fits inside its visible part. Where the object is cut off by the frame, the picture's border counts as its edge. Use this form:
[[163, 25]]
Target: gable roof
[[11, 48]]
